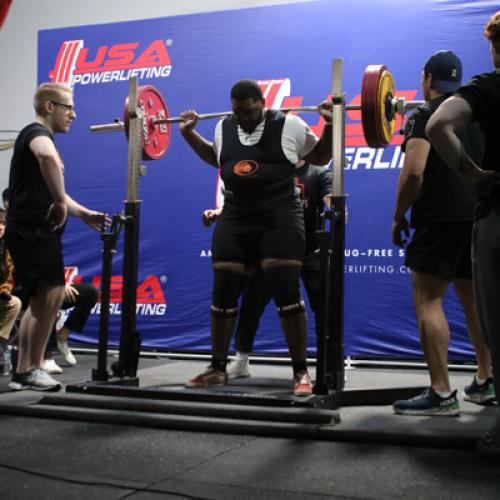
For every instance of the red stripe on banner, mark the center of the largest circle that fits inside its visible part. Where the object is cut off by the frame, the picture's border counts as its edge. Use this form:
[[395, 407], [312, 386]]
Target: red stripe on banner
[[113, 67], [70, 60], [63, 70], [62, 62], [272, 91], [292, 102], [264, 84], [4, 10], [53, 74]]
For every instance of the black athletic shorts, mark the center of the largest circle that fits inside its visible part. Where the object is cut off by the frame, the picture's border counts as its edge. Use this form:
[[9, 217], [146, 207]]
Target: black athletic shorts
[[249, 235], [37, 254], [441, 249]]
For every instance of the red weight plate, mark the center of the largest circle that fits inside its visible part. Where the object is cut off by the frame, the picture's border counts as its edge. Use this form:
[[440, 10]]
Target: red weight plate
[[155, 139], [370, 106]]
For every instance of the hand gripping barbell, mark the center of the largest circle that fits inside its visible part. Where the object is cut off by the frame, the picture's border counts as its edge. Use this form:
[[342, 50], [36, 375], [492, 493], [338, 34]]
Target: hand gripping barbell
[[379, 106]]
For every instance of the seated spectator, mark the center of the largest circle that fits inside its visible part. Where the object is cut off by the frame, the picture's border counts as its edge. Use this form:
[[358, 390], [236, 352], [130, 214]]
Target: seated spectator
[[82, 298], [9, 304]]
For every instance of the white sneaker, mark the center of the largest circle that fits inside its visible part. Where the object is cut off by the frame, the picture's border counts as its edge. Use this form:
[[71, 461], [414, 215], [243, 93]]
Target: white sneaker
[[238, 368], [40, 380], [66, 352], [50, 366]]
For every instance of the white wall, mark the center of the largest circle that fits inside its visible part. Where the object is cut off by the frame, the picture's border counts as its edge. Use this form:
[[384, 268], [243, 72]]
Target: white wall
[[18, 42]]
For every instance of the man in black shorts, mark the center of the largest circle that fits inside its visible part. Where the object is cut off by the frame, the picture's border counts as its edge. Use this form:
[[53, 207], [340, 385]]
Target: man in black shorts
[[479, 101], [36, 217], [262, 223], [313, 185], [442, 210]]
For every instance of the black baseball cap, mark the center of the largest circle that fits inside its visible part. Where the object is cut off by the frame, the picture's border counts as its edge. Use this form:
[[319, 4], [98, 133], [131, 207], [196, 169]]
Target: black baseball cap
[[446, 70]]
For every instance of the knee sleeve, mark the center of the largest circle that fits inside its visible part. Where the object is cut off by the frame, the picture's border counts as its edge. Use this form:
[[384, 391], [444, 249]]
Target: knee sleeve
[[226, 290], [285, 288]]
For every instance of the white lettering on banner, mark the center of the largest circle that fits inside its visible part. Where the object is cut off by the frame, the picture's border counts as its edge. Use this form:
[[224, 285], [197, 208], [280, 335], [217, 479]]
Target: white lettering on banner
[[373, 269], [206, 253], [374, 252], [142, 309], [364, 158], [368, 269], [121, 75]]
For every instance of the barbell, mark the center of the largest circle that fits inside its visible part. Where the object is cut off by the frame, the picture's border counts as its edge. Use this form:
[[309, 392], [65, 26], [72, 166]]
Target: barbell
[[379, 107]]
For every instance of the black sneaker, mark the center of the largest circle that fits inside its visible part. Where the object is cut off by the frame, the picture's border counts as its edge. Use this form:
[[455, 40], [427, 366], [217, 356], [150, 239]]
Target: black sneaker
[[480, 394], [429, 403], [19, 381]]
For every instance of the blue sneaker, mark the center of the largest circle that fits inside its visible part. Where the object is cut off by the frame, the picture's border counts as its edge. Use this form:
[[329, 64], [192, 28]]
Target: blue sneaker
[[480, 394], [429, 403]]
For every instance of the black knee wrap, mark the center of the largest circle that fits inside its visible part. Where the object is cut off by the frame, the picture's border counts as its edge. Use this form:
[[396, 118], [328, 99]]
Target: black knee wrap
[[285, 287], [226, 291]]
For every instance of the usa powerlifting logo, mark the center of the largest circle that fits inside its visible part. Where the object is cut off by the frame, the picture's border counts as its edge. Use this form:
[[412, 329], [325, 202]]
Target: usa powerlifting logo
[[150, 295], [76, 64]]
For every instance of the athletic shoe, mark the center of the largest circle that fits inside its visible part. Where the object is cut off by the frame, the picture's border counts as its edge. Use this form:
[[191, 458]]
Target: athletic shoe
[[429, 403], [40, 380], [19, 381], [37, 380], [66, 352], [480, 393], [302, 385], [208, 378], [50, 366], [238, 368]]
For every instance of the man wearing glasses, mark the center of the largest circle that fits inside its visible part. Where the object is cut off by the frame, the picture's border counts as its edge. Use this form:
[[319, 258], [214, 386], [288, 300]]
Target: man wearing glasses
[[36, 217]]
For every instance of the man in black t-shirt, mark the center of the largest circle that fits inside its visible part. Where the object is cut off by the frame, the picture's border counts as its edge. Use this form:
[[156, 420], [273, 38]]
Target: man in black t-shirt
[[442, 210], [479, 101], [38, 205]]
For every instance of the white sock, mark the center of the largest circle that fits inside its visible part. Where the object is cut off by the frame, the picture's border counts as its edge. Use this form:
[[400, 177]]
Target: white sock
[[242, 356], [480, 381], [443, 394]]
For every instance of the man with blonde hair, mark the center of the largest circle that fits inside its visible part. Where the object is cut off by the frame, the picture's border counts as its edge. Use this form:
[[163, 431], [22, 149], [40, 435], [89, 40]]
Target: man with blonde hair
[[38, 206], [479, 101]]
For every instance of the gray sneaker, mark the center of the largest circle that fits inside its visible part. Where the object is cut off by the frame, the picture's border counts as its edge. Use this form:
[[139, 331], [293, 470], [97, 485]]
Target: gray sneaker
[[40, 380], [36, 380], [238, 368]]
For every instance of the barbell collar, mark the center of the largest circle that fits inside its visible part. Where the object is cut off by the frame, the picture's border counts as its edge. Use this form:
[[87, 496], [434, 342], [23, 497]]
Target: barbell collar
[[108, 127]]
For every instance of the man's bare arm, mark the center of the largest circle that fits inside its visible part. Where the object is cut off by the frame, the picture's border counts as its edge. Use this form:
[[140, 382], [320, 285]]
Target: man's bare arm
[[322, 152], [203, 148], [51, 169], [452, 116], [50, 165], [409, 185]]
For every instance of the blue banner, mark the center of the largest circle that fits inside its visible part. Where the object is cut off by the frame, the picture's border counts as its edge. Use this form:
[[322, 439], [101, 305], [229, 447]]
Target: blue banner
[[193, 61]]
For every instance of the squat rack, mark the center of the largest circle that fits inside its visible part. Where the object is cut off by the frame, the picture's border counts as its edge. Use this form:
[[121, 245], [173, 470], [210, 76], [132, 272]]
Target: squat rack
[[329, 390]]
